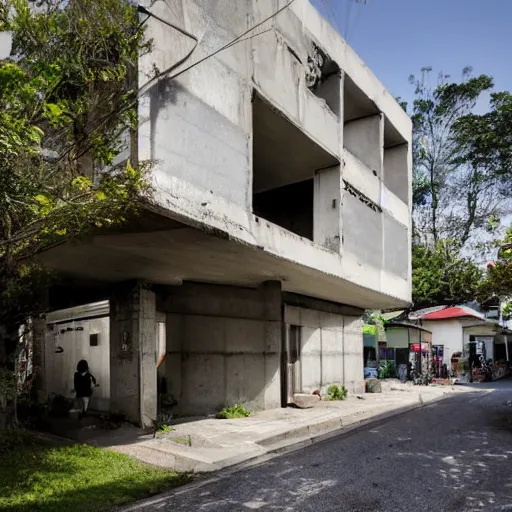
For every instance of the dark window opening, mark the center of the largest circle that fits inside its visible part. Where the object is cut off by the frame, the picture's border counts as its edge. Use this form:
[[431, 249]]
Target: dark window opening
[[290, 207], [94, 340], [294, 343], [285, 160], [356, 104]]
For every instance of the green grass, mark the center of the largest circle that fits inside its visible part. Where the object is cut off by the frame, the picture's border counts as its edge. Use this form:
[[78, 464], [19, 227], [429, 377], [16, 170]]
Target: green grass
[[79, 478], [165, 429], [237, 411]]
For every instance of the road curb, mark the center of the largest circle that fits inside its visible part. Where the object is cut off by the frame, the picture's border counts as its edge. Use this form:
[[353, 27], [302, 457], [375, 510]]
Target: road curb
[[281, 448]]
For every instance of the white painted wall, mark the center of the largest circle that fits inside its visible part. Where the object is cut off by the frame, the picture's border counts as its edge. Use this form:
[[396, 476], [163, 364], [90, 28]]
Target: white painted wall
[[60, 368], [448, 333]]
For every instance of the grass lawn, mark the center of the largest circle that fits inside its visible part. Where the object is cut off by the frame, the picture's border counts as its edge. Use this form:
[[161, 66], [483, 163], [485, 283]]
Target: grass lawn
[[76, 478]]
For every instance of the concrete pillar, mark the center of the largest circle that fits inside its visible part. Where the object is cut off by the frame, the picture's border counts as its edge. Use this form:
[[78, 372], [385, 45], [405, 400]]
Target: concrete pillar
[[364, 138], [133, 373], [271, 296], [327, 208]]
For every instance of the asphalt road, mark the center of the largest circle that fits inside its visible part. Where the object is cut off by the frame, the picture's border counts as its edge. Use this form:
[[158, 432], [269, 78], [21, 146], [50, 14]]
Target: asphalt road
[[453, 455]]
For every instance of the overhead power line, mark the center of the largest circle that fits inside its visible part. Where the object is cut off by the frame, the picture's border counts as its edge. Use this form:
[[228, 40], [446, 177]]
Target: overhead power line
[[237, 39]]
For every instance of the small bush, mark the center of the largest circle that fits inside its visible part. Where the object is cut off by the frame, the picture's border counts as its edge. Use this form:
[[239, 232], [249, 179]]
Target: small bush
[[336, 392], [237, 411], [165, 429]]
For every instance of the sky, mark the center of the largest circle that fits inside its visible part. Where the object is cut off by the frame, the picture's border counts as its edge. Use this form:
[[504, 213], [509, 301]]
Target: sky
[[396, 38]]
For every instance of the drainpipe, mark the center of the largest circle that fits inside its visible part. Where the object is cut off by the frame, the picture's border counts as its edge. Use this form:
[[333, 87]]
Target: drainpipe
[[506, 347]]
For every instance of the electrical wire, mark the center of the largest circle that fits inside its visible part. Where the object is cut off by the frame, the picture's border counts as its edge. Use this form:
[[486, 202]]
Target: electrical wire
[[238, 39], [143, 10]]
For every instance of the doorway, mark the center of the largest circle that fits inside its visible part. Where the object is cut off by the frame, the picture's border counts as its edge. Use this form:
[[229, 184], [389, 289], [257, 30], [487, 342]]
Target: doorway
[[293, 366]]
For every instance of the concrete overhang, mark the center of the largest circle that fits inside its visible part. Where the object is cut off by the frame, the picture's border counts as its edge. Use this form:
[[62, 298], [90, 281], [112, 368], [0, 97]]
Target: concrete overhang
[[184, 253]]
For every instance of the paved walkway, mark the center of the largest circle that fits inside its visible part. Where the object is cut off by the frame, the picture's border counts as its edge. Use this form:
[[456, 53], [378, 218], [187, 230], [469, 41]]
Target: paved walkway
[[212, 444]]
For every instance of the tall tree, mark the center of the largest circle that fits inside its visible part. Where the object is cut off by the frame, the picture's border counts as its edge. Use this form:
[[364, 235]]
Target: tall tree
[[442, 276], [452, 196], [67, 103]]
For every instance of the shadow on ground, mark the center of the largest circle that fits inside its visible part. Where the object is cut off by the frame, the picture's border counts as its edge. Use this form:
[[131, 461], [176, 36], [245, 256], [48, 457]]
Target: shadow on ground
[[454, 455]]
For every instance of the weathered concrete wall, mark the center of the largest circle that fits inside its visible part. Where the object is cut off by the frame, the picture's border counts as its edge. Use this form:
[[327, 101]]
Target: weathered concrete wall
[[197, 130], [331, 348], [364, 138], [327, 208], [362, 231], [353, 353], [396, 247], [396, 171], [223, 347], [133, 344]]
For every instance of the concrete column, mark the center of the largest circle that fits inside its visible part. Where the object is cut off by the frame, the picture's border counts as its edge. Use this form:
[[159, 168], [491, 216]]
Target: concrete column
[[271, 296], [364, 138], [327, 208], [133, 373]]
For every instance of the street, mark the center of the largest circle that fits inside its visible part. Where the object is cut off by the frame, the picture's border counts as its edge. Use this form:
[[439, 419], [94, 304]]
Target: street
[[453, 455]]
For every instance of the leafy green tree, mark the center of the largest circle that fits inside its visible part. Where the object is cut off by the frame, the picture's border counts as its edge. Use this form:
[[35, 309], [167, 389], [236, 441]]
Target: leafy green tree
[[485, 142], [452, 197], [441, 276], [498, 278], [67, 102], [68, 97]]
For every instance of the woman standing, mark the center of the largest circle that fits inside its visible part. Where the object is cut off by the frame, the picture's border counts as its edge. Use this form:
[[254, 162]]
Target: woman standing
[[84, 382]]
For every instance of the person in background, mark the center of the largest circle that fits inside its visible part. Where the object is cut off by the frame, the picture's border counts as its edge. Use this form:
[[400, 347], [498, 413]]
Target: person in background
[[84, 382]]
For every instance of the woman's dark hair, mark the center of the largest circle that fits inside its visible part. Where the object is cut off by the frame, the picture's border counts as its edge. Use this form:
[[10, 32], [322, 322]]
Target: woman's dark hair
[[82, 366]]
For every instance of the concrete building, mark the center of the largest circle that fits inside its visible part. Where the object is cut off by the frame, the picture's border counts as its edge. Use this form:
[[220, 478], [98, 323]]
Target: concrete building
[[282, 176]]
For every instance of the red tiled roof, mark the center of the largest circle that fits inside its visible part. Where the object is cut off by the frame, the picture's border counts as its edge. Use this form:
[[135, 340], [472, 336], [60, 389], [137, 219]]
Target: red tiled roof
[[451, 312]]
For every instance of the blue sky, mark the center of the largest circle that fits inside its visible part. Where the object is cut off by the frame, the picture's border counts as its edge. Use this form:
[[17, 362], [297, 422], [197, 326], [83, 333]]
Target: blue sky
[[398, 37]]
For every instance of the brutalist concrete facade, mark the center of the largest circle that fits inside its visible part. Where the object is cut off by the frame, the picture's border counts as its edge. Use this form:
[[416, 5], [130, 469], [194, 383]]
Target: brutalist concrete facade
[[282, 176]]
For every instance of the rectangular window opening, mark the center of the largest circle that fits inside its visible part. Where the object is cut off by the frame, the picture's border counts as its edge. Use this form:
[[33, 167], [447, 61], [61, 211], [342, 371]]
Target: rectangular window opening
[[285, 160]]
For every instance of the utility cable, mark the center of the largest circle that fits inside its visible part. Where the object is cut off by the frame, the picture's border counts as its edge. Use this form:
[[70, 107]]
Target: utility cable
[[210, 55], [143, 10]]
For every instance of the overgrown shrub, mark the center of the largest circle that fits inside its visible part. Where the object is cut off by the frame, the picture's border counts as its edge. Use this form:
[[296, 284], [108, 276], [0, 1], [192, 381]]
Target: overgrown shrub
[[237, 411], [336, 392]]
